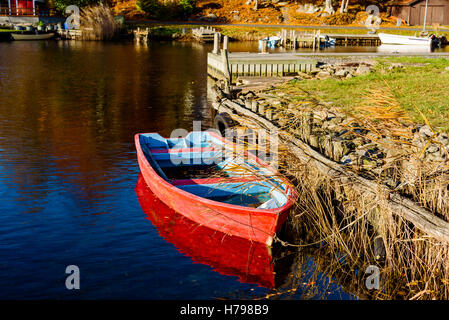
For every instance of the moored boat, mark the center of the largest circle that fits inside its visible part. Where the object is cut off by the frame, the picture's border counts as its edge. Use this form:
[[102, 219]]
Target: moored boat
[[32, 36], [270, 42], [197, 177], [251, 262], [386, 38]]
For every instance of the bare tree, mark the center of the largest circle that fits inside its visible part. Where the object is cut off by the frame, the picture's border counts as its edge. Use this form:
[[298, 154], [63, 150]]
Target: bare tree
[[328, 7], [344, 6]]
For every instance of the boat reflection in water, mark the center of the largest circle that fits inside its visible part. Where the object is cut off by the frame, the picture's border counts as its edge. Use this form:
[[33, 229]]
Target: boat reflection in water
[[409, 49], [251, 262]]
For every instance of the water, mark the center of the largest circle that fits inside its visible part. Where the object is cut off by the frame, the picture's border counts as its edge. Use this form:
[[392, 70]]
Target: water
[[68, 174]]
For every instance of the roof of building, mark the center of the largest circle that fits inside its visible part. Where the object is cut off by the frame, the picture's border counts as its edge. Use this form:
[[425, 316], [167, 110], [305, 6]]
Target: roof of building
[[402, 2]]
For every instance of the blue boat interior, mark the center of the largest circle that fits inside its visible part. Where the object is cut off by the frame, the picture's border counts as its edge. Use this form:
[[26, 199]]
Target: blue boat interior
[[191, 164]]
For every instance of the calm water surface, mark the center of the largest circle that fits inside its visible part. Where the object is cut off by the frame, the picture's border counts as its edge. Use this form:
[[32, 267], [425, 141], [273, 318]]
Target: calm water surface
[[68, 173]]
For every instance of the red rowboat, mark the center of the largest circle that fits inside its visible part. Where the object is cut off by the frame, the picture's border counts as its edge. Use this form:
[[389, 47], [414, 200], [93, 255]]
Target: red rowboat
[[197, 177], [251, 262]]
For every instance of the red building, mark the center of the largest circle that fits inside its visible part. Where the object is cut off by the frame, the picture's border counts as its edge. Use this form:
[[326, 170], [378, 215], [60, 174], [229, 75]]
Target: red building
[[414, 11], [22, 7]]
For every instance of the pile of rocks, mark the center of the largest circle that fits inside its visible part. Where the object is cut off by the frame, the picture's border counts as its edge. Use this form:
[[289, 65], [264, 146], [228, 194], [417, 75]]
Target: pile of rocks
[[343, 69], [346, 140]]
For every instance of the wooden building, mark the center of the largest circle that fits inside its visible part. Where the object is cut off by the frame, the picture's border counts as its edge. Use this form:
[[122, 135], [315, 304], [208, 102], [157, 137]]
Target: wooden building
[[413, 11], [23, 8]]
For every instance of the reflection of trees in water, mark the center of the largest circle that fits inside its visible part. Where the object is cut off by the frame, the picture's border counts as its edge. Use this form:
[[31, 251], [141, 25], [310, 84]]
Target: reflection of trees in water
[[70, 109]]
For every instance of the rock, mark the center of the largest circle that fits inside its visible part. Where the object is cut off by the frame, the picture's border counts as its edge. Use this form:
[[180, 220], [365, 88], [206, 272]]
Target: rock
[[425, 131], [341, 73], [340, 148], [361, 153], [323, 75], [346, 160], [349, 159], [435, 157], [331, 70], [432, 148], [443, 139], [395, 66], [210, 17], [369, 164], [362, 69]]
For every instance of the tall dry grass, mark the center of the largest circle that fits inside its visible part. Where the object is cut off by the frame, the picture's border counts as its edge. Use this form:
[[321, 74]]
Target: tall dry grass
[[343, 223], [97, 23]]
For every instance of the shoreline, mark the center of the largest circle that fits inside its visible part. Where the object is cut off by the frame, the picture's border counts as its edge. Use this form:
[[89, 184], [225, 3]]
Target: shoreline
[[367, 180]]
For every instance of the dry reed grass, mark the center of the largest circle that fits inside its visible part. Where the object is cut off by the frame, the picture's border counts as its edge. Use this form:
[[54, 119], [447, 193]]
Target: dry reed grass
[[97, 23], [343, 222]]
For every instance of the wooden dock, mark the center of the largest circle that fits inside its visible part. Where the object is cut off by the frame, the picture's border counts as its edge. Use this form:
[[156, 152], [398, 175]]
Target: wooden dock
[[204, 34], [292, 39], [372, 40], [258, 65], [229, 66], [141, 35], [69, 34]]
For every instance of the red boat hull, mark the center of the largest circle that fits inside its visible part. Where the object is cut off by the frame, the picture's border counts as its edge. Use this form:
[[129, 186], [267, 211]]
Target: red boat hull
[[251, 262], [249, 223]]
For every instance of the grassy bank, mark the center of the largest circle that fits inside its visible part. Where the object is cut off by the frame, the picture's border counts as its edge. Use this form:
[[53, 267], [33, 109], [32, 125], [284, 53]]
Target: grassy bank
[[419, 85], [379, 148]]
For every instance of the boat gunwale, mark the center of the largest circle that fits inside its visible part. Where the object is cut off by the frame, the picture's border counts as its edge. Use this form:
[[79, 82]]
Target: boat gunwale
[[159, 180]]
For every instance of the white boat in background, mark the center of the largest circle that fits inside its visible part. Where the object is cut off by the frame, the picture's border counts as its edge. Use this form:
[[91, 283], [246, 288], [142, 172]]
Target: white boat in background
[[394, 48], [271, 42], [327, 41], [404, 40]]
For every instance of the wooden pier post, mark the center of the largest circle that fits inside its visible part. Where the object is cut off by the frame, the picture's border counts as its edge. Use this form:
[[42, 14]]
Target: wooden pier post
[[225, 43], [264, 46], [216, 43], [294, 39], [227, 72]]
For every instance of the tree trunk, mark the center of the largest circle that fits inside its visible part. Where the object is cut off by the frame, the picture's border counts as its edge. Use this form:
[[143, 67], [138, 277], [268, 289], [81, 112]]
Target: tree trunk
[[329, 8], [344, 6]]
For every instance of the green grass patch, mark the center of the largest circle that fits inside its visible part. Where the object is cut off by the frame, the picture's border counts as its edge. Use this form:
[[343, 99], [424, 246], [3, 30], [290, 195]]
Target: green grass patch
[[423, 83]]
